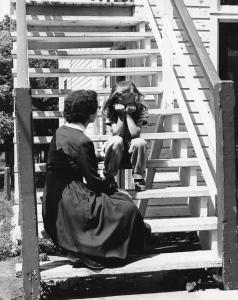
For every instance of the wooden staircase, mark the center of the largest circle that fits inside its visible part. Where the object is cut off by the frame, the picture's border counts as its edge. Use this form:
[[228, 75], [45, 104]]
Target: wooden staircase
[[150, 38]]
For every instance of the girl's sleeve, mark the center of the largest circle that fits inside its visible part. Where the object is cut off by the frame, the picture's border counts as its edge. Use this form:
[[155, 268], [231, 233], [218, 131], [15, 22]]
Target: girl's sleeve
[[87, 161], [141, 117]]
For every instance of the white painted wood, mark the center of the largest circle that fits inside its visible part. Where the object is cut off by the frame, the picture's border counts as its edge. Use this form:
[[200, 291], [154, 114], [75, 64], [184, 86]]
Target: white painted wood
[[162, 261], [22, 62], [39, 93], [158, 163], [192, 132], [86, 36], [42, 20], [182, 224], [169, 192], [46, 72], [59, 114], [103, 138], [90, 53], [206, 115]]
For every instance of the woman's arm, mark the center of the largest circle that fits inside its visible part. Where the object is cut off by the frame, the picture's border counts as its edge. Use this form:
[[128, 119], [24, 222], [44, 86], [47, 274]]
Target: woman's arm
[[87, 161]]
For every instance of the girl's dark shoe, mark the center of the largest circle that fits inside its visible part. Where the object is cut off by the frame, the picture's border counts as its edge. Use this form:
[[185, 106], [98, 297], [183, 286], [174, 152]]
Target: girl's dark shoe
[[139, 185]]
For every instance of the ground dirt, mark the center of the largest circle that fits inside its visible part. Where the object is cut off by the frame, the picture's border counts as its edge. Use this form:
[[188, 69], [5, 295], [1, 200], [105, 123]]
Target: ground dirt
[[10, 286]]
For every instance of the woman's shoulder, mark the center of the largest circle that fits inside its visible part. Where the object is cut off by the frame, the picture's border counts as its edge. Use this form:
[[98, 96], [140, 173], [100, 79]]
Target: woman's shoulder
[[71, 135]]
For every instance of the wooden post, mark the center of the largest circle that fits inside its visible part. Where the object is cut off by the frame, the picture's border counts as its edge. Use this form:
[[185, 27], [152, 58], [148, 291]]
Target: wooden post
[[23, 113], [30, 265], [226, 185], [7, 184]]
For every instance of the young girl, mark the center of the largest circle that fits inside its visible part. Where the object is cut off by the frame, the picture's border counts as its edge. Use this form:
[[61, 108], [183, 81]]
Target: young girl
[[126, 113]]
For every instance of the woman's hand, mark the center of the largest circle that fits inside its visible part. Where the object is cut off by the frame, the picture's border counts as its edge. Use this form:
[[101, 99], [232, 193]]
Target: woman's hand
[[119, 108], [130, 109]]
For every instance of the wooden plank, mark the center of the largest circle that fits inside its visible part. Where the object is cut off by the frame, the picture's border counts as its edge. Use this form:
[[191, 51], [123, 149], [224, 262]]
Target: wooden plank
[[103, 138], [198, 46], [90, 54], [182, 224], [168, 192], [192, 132], [59, 269], [46, 72], [205, 114], [226, 183], [68, 37], [48, 93], [31, 278], [42, 20], [59, 114], [151, 163]]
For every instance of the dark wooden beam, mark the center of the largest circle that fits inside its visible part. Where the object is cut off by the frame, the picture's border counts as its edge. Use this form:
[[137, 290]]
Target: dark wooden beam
[[31, 275], [226, 185]]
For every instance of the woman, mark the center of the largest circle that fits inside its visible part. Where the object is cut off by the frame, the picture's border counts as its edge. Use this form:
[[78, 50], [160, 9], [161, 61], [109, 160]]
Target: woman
[[91, 221]]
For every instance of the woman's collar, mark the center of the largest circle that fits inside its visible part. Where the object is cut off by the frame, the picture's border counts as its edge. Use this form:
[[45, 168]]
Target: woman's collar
[[78, 126]]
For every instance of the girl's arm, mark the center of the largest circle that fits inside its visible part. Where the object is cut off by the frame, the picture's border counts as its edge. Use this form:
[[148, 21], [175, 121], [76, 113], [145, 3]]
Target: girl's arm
[[119, 127], [134, 129]]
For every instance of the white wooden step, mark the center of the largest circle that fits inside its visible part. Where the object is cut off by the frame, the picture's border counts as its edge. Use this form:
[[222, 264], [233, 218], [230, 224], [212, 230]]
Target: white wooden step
[[60, 269], [152, 163], [168, 192], [77, 3], [48, 93], [103, 138], [182, 224], [67, 72], [173, 224], [59, 114], [70, 72], [90, 54], [120, 21], [68, 37]]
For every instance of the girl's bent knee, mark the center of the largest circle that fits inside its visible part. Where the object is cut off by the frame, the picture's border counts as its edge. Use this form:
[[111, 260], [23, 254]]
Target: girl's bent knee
[[139, 142]]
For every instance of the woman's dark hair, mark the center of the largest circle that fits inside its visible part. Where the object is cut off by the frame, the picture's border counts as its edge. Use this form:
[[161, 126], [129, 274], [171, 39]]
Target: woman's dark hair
[[118, 90], [79, 105]]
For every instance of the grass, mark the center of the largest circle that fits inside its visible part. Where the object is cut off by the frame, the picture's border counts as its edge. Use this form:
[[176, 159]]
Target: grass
[[7, 247]]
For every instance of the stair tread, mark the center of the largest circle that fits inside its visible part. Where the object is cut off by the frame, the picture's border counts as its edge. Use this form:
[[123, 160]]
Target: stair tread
[[71, 72], [59, 114], [38, 20], [103, 138], [52, 37], [92, 54], [60, 268], [64, 92], [158, 163], [182, 224], [79, 3], [168, 192]]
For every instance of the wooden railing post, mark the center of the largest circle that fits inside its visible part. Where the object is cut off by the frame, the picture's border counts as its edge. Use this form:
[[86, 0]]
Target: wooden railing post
[[24, 139], [226, 184]]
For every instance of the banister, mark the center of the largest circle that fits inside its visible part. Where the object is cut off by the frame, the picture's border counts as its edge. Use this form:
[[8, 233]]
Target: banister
[[202, 55]]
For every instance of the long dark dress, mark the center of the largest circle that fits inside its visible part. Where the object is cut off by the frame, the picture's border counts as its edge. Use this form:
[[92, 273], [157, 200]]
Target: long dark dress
[[84, 218]]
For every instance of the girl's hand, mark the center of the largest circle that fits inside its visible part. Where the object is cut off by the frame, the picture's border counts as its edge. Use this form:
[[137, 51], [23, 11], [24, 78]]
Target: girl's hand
[[130, 109], [119, 108]]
